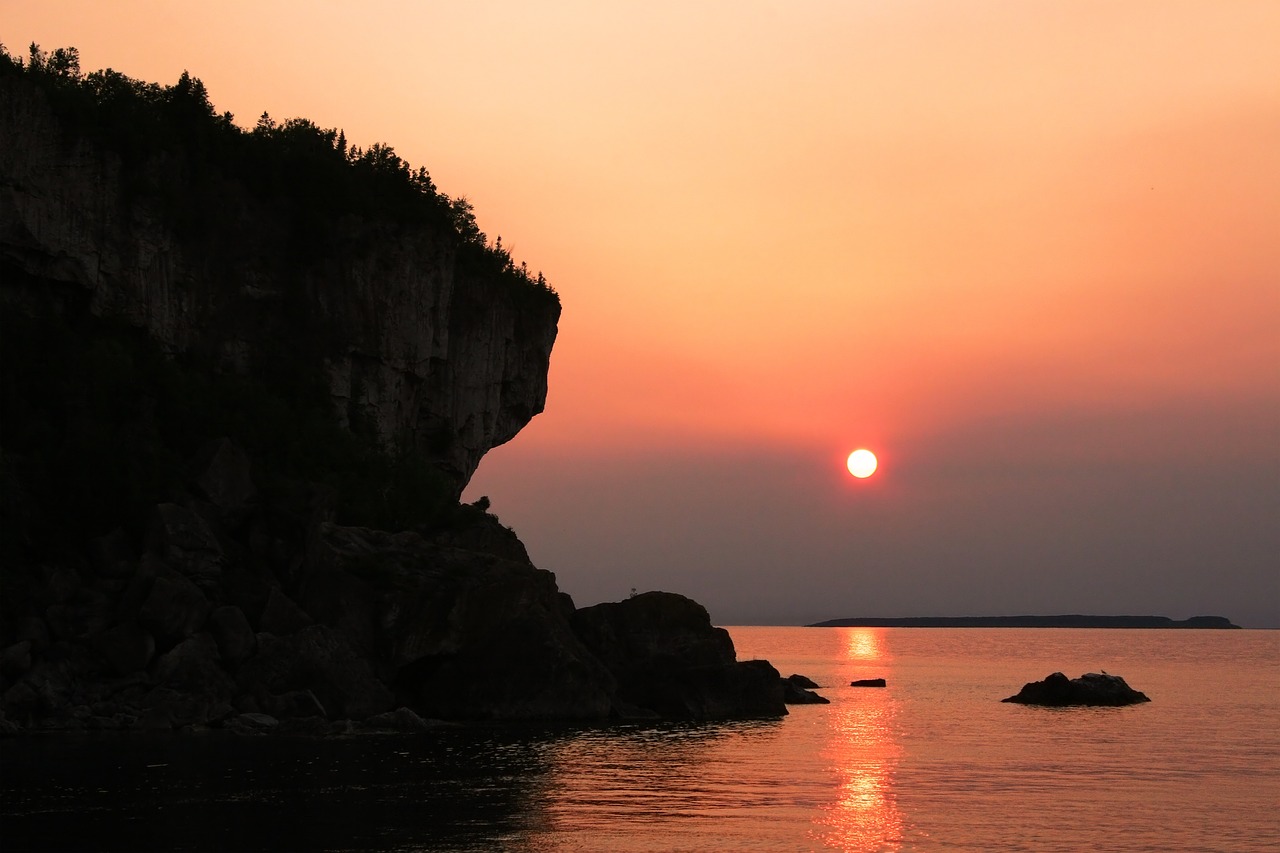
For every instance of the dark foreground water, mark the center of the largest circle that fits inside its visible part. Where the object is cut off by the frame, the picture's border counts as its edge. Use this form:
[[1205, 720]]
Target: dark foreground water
[[932, 762]]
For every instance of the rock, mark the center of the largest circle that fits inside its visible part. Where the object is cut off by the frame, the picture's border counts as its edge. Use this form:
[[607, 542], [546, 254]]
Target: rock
[[251, 724], [224, 477], [16, 659], [465, 634], [795, 691], [653, 629], [175, 609], [33, 629], [126, 647], [86, 612], [21, 703], [166, 708], [60, 583], [400, 720], [281, 616], [194, 667], [293, 703], [185, 542], [868, 682], [113, 555], [668, 658], [307, 726], [1092, 688], [230, 629], [319, 659]]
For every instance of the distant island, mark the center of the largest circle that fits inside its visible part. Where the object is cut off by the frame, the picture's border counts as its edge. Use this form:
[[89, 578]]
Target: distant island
[[1071, 621]]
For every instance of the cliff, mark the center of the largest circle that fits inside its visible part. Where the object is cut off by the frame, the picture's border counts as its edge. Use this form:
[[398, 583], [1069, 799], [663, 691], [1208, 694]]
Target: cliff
[[410, 347], [244, 377]]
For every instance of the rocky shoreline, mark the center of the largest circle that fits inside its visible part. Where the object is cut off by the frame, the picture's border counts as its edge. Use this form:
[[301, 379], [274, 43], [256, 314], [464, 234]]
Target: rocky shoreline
[[227, 617]]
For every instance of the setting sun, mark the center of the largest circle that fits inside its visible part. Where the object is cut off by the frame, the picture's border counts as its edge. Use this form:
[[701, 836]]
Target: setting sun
[[862, 463]]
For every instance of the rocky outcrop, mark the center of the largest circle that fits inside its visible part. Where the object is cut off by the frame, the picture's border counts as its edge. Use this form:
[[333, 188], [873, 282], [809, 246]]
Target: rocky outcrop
[[668, 659], [468, 634], [1092, 688], [798, 690], [355, 623]]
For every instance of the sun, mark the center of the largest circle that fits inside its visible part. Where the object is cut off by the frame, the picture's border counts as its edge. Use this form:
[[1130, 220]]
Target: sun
[[862, 463]]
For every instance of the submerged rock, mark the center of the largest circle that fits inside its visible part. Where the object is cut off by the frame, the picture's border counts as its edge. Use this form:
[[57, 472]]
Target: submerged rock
[[1092, 688]]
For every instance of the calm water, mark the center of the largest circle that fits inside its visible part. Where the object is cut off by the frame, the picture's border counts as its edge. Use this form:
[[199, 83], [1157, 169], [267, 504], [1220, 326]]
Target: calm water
[[933, 762]]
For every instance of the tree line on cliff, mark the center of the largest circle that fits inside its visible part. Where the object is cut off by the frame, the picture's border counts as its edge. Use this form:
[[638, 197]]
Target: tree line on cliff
[[315, 171]]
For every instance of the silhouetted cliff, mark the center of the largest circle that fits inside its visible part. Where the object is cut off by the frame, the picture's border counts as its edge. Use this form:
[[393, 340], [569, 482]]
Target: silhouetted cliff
[[244, 376], [277, 252]]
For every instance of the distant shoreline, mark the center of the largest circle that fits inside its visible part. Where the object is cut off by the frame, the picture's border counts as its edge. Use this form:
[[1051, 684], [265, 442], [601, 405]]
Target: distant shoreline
[[1071, 621]]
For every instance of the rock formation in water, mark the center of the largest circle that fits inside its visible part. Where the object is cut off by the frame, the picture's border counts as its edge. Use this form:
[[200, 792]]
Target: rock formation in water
[[798, 690], [244, 377], [1092, 688]]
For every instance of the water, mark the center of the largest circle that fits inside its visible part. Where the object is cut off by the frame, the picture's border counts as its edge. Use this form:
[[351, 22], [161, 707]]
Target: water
[[932, 762]]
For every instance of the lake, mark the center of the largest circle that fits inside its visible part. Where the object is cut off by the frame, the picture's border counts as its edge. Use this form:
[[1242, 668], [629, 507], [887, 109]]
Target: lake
[[933, 761]]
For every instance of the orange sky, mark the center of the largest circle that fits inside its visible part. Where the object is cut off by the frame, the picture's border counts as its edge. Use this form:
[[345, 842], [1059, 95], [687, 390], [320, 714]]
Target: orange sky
[[987, 239]]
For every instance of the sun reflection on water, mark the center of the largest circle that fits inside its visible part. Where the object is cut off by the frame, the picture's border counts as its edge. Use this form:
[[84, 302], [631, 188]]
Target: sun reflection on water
[[863, 750], [863, 644]]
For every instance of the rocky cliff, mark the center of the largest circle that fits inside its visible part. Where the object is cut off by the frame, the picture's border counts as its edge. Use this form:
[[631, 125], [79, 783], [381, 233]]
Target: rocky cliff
[[243, 379], [409, 347]]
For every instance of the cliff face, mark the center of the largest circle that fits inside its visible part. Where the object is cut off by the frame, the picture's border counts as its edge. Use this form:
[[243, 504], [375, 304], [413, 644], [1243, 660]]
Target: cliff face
[[178, 345], [411, 349]]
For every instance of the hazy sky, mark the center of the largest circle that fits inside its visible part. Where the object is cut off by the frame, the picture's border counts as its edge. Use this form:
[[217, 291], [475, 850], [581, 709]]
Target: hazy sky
[[1028, 252]]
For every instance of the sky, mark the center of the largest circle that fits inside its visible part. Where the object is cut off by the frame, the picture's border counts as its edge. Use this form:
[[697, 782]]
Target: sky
[[1027, 252]]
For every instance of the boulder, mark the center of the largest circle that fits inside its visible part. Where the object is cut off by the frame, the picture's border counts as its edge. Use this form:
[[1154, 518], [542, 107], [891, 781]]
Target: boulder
[[174, 609], [16, 659], [321, 660], [164, 708], [33, 629], [86, 612], [230, 629], [868, 682], [185, 542], [400, 720], [462, 634], [194, 667], [252, 723], [668, 658], [293, 704], [113, 555], [224, 477], [126, 647], [1092, 688], [282, 616]]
